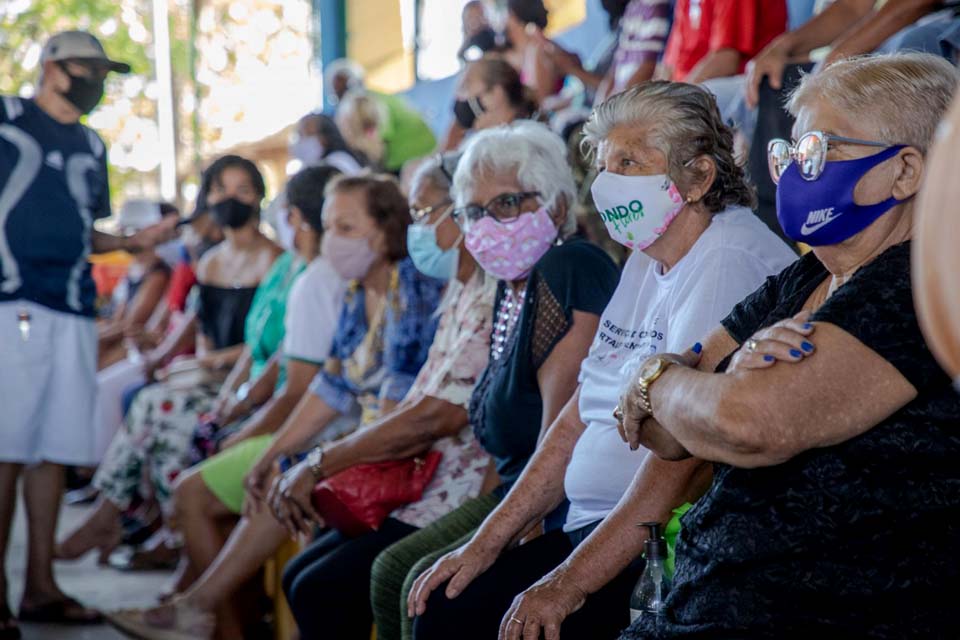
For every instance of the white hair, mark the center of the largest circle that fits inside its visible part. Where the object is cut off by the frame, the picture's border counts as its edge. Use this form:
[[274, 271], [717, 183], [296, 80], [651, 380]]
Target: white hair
[[526, 149], [902, 96], [343, 67]]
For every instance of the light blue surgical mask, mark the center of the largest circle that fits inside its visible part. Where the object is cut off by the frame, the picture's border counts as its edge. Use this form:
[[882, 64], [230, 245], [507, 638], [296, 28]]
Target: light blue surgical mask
[[429, 258]]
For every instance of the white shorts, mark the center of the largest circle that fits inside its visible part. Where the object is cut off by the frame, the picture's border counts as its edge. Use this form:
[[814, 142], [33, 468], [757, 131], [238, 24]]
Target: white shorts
[[48, 386]]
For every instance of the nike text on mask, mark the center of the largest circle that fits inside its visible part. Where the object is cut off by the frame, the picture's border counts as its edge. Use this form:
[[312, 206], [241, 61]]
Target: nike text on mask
[[84, 93], [822, 211], [636, 209], [232, 213], [427, 256], [509, 251], [351, 257], [308, 150]]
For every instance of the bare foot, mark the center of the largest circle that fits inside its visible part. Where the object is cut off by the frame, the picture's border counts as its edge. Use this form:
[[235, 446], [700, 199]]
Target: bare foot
[[101, 530], [175, 619], [182, 580]]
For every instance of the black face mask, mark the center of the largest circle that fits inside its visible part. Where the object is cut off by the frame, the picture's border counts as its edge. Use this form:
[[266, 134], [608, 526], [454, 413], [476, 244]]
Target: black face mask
[[231, 213], [84, 93], [466, 111]]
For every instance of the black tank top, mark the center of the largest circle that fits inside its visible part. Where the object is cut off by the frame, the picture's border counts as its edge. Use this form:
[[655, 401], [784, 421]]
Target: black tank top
[[222, 312]]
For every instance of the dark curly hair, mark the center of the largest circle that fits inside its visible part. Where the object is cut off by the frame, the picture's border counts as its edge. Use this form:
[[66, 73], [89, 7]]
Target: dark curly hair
[[688, 126]]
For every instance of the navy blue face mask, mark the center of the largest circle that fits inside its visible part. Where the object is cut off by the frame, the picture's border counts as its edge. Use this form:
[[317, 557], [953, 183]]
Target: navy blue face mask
[[822, 211]]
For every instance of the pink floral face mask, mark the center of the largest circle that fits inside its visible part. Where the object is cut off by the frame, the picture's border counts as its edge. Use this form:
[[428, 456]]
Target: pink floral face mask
[[508, 251]]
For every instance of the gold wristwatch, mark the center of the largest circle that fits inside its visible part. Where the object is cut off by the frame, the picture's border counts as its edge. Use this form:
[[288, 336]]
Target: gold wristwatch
[[315, 461], [648, 374]]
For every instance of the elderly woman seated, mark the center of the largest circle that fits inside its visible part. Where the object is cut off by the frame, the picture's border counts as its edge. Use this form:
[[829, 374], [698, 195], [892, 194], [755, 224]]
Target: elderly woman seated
[[670, 191], [834, 506]]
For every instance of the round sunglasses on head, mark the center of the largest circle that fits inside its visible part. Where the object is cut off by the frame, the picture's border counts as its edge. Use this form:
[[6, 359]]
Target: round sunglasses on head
[[809, 152]]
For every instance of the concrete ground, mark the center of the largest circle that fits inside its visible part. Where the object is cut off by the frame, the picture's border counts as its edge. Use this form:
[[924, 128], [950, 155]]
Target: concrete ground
[[102, 588]]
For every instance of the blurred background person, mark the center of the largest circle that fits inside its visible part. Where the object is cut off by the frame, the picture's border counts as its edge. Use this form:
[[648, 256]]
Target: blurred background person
[[716, 38], [525, 22], [137, 295], [489, 94], [385, 130], [156, 434], [317, 139], [340, 77], [54, 172]]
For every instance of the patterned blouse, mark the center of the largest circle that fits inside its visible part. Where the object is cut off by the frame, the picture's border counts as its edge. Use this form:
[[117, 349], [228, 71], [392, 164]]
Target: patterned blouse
[[457, 359], [377, 361]]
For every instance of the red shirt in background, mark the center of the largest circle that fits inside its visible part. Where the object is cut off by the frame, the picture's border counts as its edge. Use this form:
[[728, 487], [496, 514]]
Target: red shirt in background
[[701, 27], [181, 282]]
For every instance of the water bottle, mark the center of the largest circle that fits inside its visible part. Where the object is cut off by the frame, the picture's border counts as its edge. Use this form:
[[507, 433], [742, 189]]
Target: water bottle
[[654, 583]]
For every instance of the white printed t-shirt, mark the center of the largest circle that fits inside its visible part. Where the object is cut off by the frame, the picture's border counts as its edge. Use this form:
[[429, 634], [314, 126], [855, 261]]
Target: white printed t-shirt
[[313, 311], [652, 312]]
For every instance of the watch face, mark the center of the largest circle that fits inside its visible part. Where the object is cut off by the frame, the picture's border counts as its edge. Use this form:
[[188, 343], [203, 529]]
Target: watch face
[[650, 368]]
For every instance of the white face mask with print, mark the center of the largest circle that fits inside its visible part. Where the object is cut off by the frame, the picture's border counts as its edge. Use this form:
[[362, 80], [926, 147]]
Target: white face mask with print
[[636, 209]]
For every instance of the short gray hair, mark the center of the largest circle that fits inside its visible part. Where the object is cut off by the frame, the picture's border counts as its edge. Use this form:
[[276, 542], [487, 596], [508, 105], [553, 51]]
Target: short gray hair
[[528, 150], [903, 95], [438, 170], [688, 125]]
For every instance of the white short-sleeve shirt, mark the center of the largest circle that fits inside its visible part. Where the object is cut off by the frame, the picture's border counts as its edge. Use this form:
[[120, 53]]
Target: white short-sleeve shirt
[[652, 312], [313, 310]]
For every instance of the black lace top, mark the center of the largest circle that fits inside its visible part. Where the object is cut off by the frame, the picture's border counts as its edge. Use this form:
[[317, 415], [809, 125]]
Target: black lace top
[[506, 408], [857, 540]]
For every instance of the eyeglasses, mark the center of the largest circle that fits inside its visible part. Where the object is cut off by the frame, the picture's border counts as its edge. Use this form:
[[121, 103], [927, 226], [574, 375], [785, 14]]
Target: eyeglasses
[[505, 209], [421, 215], [809, 152]]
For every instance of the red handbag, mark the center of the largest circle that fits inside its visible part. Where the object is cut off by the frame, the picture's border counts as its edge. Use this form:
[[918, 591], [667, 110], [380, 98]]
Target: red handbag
[[359, 499]]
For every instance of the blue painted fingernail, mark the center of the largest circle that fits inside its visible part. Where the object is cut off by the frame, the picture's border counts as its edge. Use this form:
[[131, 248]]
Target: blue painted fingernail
[[768, 358], [697, 348], [806, 346], [795, 353], [807, 325]]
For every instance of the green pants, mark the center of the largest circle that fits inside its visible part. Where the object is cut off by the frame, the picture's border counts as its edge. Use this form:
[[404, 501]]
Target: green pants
[[399, 565]]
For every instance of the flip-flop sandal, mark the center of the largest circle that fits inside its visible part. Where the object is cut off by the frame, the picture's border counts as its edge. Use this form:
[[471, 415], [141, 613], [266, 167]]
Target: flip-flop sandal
[[66, 611]]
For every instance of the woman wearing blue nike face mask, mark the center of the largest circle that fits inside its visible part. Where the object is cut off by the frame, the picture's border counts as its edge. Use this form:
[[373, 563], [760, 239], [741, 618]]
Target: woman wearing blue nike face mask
[[827, 461]]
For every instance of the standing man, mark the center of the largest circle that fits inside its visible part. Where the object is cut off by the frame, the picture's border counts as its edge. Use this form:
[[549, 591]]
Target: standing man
[[53, 185]]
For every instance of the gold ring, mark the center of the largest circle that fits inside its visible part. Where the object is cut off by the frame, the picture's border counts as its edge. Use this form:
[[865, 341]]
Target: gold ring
[[751, 345], [618, 414], [516, 619]]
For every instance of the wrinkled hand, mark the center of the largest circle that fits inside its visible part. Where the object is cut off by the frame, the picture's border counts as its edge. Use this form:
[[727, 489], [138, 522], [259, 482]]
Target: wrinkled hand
[[460, 566], [544, 606], [290, 501], [785, 341], [255, 485], [632, 414], [769, 63]]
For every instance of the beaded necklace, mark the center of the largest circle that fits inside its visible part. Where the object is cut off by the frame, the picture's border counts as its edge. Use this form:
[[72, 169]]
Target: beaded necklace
[[508, 312]]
